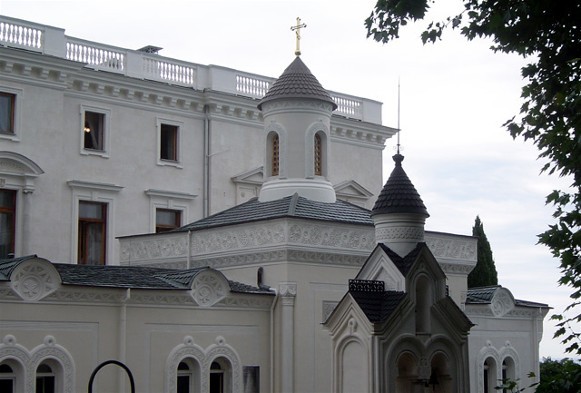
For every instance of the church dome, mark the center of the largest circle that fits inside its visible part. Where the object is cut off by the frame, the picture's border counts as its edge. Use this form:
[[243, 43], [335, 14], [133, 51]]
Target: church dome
[[399, 194], [297, 81]]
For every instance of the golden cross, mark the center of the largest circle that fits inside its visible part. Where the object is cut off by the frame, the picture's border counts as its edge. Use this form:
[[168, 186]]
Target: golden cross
[[297, 28]]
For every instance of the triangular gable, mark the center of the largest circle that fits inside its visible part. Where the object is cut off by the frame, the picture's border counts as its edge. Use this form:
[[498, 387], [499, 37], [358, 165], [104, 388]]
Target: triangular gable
[[254, 176], [380, 267], [352, 189]]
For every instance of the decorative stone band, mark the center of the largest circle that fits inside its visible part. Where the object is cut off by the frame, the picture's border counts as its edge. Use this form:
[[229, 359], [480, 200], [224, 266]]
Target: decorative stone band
[[287, 289], [385, 235]]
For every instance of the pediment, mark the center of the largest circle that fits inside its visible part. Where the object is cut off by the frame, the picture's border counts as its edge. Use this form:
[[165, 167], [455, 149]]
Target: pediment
[[352, 189], [254, 176], [379, 267]]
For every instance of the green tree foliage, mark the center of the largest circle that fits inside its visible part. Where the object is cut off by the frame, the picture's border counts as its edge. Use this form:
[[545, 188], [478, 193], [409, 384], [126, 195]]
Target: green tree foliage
[[484, 273], [548, 35], [562, 376]]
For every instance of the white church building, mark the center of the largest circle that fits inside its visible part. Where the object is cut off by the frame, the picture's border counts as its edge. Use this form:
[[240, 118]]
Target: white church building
[[219, 231]]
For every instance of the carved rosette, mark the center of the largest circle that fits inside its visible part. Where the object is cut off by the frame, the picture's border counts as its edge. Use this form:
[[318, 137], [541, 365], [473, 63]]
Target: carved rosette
[[33, 280], [502, 303], [209, 287]]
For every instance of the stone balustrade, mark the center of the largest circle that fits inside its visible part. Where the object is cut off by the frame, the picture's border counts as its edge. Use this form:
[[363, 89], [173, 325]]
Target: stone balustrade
[[52, 41]]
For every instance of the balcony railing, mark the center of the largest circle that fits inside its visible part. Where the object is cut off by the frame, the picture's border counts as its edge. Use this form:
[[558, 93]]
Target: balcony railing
[[53, 41]]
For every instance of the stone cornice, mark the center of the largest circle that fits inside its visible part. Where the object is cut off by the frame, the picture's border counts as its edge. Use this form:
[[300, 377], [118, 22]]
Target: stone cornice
[[360, 133]]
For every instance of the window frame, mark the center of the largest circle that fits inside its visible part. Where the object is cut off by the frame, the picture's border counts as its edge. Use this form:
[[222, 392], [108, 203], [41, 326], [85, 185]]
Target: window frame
[[45, 376], [13, 211], [105, 132], [82, 239], [15, 115], [93, 192], [168, 200], [160, 122], [159, 228]]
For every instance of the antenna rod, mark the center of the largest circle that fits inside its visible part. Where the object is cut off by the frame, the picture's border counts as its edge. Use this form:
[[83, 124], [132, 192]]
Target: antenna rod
[[398, 114]]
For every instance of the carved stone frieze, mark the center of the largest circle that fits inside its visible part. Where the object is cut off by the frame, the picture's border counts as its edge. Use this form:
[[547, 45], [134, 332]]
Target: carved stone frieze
[[148, 248], [287, 289], [331, 236], [456, 269], [266, 234], [400, 233], [452, 247], [326, 258]]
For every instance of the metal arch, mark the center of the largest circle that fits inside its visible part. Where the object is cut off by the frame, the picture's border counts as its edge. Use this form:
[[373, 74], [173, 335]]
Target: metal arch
[[117, 363]]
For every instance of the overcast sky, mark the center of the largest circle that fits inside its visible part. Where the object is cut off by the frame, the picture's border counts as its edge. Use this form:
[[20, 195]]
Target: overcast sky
[[455, 96]]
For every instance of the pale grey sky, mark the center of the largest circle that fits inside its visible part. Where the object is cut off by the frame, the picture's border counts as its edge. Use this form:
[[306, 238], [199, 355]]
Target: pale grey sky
[[454, 98]]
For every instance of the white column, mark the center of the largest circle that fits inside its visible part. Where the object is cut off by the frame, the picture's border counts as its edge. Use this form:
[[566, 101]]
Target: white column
[[288, 292]]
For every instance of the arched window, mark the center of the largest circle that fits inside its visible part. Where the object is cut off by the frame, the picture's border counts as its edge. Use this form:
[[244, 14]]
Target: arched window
[[45, 379], [508, 371], [489, 377], [274, 154], [407, 372], [318, 155], [7, 378], [423, 304], [220, 376], [188, 376]]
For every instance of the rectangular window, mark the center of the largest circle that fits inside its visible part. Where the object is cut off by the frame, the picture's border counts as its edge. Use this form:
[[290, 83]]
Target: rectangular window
[[94, 131], [7, 222], [7, 104], [92, 233], [168, 142], [167, 219]]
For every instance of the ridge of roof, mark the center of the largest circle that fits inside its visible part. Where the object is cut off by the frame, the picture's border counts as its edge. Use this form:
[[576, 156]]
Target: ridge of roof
[[293, 206]]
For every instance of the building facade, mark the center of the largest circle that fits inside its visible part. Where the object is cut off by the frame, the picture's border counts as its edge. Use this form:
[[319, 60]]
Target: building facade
[[280, 264]]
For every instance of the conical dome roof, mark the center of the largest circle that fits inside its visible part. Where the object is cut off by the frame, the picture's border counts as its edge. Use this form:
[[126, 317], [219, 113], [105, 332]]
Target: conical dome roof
[[297, 82], [399, 194]]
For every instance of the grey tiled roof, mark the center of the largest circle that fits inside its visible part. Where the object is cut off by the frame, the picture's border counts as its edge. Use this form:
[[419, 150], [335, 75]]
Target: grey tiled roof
[[378, 306], [297, 81], [136, 277], [484, 295], [399, 194], [292, 206], [9, 264], [481, 294]]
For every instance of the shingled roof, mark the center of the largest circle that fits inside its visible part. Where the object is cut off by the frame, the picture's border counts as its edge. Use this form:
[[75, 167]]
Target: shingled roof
[[291, 206], [135, 277], [484, 295], [297, 81], [399, 194], [376, 303]]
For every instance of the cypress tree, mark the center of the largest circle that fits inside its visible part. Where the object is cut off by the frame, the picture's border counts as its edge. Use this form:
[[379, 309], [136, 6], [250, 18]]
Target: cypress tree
[[484, 273]]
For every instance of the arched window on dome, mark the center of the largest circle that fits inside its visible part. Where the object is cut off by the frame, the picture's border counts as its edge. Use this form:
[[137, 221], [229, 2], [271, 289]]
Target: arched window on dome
[[318, 154], [273, 153]]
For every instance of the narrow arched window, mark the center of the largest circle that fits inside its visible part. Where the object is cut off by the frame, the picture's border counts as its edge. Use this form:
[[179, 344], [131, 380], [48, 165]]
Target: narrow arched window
[[7, 378], [185, 378], [216, 378], [318, 155], [275, 149], [45, 379]]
